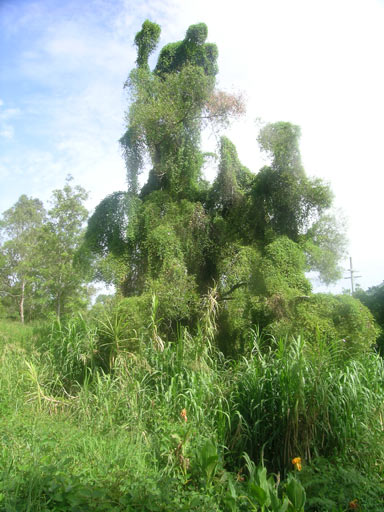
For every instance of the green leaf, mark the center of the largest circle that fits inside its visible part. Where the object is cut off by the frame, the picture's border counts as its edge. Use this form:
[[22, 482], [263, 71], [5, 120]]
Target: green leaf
[[258, 493], [296, 494]]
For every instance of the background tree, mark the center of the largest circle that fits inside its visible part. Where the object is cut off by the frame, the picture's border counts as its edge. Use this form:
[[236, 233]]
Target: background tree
[[61, 272], [373, 298], [42, 268], [20, 227]]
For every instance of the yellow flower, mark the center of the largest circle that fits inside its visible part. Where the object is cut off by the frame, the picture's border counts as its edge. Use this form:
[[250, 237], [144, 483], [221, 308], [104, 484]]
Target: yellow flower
[[297, 463], [183, 414]]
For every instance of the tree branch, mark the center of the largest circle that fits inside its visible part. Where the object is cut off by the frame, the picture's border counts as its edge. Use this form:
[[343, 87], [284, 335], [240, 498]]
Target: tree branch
[[231, 290], [3, 292]]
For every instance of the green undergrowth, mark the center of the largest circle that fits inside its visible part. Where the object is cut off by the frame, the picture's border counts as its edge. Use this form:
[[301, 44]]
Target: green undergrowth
[[330, 485], [90, 421]]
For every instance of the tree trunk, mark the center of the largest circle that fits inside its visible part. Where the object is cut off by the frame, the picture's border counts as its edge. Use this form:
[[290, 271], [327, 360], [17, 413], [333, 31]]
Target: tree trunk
[[58, 310], [22, 301]]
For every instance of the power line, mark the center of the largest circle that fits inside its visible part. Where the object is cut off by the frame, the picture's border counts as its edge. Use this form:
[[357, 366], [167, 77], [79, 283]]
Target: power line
[[352, 276]]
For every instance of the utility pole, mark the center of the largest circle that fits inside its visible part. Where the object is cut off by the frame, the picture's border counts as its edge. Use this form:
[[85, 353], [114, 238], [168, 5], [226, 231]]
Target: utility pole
[[352, 276]]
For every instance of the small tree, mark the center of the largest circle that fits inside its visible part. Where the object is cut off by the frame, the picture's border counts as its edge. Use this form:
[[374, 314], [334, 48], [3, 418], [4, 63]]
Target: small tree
[[40, 259], [61, 273], [20, 228]]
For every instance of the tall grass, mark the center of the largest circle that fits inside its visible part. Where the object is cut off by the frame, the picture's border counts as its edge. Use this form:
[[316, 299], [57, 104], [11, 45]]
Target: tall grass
[[93, 420], [70, 347], [297, 399]]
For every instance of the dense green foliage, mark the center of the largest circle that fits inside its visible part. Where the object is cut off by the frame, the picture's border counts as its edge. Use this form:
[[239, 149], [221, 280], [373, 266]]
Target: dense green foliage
[[373, 298]]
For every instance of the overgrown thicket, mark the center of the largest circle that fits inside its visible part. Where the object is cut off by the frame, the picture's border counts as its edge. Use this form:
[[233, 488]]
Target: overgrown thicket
[[214, 379], [251, 237]]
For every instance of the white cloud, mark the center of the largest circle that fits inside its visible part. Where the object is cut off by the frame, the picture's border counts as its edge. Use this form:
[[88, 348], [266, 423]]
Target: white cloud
[[7, 130], [8, 113]]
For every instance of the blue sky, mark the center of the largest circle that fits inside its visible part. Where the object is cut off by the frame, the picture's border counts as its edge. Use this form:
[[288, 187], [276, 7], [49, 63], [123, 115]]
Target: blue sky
[[314, 63]]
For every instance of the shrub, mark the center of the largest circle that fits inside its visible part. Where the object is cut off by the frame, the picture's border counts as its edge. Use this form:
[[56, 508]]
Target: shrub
[[330, 317]]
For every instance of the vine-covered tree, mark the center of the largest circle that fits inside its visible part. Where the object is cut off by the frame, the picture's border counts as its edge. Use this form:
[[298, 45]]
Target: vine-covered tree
[[250, 236], [286, 202], [169, 108]]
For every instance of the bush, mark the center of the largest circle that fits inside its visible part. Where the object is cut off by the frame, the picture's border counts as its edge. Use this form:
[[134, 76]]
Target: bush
[[330, 317]]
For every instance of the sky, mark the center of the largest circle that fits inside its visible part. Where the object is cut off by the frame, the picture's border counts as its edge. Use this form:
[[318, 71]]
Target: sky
[[314, 63]]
